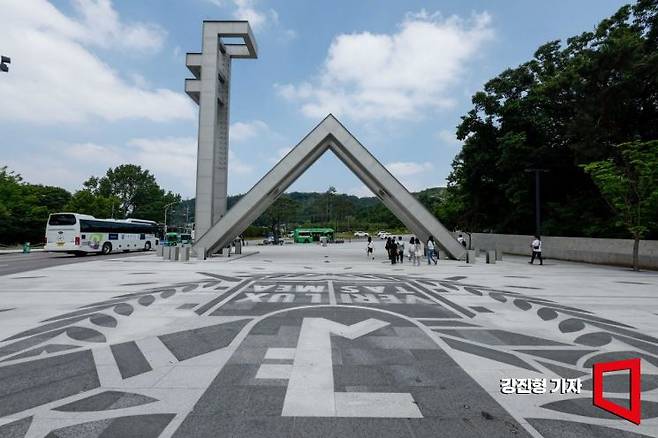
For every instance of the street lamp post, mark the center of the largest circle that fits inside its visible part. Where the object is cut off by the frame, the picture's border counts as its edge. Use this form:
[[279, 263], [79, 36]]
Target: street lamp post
[[165, 214], [537, 172]]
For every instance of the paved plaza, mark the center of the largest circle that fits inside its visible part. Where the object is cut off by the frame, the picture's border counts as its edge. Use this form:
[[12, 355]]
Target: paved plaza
[[312, 341]]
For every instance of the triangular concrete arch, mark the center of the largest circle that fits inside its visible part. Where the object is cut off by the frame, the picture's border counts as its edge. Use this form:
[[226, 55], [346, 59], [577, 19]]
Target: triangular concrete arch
[[329, 134]]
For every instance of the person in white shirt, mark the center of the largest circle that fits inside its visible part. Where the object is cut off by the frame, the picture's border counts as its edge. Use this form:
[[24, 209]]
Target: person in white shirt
[[400, 249], [370, 248], [429, 247], [412, 250], [461, 240], [536, 251]]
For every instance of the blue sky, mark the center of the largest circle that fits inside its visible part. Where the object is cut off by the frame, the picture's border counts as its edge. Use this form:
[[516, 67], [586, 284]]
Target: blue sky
[[95, 83]]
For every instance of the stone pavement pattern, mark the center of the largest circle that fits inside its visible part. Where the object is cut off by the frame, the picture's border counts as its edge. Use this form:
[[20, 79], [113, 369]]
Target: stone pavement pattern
[[312, 341]]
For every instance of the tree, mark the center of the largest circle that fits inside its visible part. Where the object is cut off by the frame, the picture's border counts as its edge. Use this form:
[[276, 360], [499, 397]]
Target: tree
[[24, 208], [283, 210], [629, 183], [86, 202], [568, 106], [131, 190]]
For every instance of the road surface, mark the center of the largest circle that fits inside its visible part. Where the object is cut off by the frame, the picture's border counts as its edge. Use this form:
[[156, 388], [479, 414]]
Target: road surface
[[14, 263]]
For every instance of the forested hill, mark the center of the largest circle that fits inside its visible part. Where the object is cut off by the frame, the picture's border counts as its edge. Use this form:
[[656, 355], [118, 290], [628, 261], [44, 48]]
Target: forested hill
[[340, 211]]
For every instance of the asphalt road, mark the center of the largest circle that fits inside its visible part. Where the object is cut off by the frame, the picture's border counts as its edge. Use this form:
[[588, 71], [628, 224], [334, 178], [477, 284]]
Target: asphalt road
[[14, 263]]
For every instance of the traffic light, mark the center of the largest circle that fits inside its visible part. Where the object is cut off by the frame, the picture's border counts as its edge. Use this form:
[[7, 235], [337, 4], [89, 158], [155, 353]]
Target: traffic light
[[4, 60]]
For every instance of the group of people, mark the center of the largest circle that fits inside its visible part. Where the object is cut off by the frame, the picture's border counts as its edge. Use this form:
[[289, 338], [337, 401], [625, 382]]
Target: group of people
[[396, 250]]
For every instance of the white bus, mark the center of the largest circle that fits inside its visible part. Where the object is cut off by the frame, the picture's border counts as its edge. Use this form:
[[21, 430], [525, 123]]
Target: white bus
[[80, 234]]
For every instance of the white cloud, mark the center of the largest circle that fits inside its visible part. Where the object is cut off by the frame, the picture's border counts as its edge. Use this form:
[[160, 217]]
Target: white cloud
[[369, 76], [243, 131], [246, 10], [56, 78], [282, 152], [170, 157], [279, 154], [447, 138], [360, 191], [258, 18], [102, 27], [412, 175], [237, 166], [92, 152], [288, 35], [177, 54], [402, 168]]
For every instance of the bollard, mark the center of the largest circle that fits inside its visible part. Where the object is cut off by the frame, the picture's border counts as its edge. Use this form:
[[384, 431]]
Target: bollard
[[165, 252], [477, 252], [499, 255], [184, 255], [470, 256], [175, 253], [200, 253], [238, 246], [160, 250], [491, 257]]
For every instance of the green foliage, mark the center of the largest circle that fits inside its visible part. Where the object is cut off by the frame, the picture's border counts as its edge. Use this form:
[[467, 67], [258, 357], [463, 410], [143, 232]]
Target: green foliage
[[24, 208], [327, 209], [280, 212], [86, 202], [128, 191], [629, 183], [568, 106]]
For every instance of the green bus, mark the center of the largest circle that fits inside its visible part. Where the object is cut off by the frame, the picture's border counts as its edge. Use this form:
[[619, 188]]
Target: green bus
[[308, 235], [174, 238]]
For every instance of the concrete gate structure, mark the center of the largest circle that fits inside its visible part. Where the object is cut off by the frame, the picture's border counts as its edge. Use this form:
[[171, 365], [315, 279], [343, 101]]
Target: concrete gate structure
[[215, 227], [210, 89]]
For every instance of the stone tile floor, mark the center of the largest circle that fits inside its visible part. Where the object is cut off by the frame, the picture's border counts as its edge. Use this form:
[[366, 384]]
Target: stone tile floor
[[304, 341]]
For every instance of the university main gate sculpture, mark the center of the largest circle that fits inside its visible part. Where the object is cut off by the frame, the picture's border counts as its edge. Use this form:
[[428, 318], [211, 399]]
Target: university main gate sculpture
[[215, 226]]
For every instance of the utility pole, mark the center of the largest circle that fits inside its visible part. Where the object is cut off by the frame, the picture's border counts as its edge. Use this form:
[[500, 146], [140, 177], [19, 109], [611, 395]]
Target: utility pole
[[537, 173], [165, 214]]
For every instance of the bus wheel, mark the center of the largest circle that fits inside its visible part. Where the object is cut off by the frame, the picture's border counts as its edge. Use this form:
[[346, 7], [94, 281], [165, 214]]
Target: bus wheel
[[147, 246], [107, 248]]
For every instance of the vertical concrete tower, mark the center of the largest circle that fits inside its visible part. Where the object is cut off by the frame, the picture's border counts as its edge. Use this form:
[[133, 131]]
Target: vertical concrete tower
[[210, 89]]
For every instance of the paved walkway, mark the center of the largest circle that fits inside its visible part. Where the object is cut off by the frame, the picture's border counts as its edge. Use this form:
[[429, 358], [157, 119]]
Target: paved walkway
[[306, 341]]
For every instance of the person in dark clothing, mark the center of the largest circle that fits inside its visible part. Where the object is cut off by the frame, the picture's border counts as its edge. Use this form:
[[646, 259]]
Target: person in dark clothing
[[391, 247]]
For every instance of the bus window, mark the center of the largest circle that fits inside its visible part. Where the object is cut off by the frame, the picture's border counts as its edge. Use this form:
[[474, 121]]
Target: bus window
[[61, 219]]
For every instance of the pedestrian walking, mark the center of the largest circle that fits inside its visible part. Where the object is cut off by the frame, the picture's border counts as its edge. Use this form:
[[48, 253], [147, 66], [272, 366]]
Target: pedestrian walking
[[418, 250], [400, 249], [370, 249], [412, 250], [536, 251], [391, 249], [461, 240], [429, 247]]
